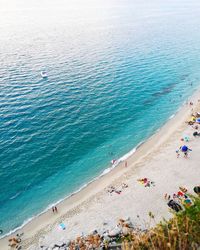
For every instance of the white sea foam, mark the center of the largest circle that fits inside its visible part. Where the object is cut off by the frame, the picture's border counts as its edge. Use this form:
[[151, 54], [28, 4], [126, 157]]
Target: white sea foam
[[14, 196], [106, 171], [20, 227], [171, 116]]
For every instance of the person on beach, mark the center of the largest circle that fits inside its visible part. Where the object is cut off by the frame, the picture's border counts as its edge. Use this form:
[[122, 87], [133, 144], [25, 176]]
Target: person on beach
[[55, 208], [126, 164], [196, 134], [113, 161], [196, 127], [186, 154], [124, 185], [185, 150], [177, 153]]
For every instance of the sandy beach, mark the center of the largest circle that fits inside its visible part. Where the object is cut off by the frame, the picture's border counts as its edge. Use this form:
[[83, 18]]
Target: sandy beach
[[94, 208]]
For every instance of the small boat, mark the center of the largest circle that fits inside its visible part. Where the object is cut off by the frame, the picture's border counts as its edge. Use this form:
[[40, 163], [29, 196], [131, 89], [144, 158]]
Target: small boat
[[43, 74]]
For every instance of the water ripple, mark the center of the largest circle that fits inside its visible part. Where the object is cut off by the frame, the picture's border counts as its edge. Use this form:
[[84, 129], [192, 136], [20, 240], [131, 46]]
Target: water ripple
[[104, 77]]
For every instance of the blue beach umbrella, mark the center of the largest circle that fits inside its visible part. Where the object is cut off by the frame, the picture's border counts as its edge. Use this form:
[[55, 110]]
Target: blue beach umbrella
[[198, 120], [184, 148]]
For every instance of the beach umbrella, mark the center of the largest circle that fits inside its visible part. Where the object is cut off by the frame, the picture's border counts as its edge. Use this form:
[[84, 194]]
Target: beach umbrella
[[198, 120], [187, 202], [197, 189], [186, 138], [184, 148]]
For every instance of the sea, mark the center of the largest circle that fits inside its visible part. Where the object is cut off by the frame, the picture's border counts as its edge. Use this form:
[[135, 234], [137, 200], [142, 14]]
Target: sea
[[117, 70]]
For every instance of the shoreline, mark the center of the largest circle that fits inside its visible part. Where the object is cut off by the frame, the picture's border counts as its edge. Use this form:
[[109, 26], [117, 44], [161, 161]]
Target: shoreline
[[35, 227], [102, 174], [107, 170]]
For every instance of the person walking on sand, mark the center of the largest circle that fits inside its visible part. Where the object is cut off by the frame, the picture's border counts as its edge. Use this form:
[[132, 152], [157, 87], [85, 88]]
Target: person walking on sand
[[126, 164], [56, 210], [53, 209]]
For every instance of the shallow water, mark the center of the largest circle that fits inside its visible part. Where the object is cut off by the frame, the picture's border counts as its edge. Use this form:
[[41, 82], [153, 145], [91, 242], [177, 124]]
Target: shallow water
[[117, 70]]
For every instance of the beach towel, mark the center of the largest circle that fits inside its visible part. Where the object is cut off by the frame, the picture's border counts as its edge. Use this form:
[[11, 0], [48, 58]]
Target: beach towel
[[62, 226], [180, 193], [146, 182]]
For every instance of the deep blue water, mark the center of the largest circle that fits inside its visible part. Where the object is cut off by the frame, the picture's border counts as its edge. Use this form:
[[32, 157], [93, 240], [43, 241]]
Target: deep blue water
[[117, 70]]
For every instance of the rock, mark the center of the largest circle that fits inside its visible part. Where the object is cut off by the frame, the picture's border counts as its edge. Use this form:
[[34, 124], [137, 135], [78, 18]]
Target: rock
[[90, 246], [105, 233], [68, 243], [114, 232], [51, 246], [128, 222], [59, 244], [56, 248], [106, 239], [125, 230], [112, 243], [77, 248], [128, 219], [121, 221]]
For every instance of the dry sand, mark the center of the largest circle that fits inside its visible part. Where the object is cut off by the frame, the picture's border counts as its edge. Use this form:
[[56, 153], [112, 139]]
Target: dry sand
[[94, 208]]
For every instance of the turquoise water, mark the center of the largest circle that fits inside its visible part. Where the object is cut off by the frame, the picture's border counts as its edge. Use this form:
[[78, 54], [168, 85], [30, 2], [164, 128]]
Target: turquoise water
[[117, 70]]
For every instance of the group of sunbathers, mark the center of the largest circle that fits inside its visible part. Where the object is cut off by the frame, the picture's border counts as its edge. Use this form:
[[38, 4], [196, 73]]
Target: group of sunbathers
[[179, 200], [146, 182], [113, 189]]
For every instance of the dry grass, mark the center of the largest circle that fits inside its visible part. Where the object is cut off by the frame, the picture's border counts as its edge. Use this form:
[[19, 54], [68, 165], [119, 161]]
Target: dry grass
[[182, 232]]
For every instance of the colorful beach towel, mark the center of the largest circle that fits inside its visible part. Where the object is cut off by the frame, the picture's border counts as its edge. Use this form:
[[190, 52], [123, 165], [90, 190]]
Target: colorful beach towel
[[146, 182]]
